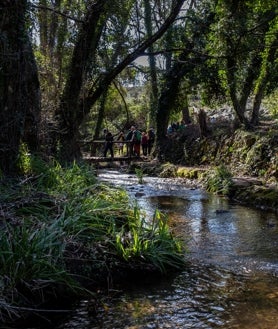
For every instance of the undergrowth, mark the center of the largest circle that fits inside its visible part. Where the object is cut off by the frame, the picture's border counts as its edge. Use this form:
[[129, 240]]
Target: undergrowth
[[54, 218], [219, 180]]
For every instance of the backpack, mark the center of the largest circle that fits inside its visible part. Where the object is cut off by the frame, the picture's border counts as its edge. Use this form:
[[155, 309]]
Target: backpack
[[137, 137], [109, 137], [151, 135], [129, 136]]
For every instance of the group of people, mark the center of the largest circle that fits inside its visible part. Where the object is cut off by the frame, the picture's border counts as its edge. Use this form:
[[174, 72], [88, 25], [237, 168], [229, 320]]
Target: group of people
[[135, 140], [175, 127]]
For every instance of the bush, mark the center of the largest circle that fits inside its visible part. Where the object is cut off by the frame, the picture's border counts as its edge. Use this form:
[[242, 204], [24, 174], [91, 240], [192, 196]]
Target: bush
[[219, 181]]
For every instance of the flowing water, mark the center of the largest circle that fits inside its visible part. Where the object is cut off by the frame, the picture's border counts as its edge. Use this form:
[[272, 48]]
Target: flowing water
[[232, 276]]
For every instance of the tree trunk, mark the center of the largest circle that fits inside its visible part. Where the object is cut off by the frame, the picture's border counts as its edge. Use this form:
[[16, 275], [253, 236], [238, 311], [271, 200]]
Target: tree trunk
[[270, 58], [257, 105], [43, 26], [69, 118], [169, 93], [185, 111], [165, 107], [152, 64], [202, 118], [239, 105], [99, 122], [19, 86]]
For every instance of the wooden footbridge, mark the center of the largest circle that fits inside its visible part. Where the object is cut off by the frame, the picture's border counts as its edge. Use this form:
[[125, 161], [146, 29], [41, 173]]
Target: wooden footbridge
[[95, 152], [127, 159]]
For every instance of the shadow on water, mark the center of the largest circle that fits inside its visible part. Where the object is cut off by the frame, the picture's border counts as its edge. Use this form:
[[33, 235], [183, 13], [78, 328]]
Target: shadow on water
[[232, 276], [202, 297]]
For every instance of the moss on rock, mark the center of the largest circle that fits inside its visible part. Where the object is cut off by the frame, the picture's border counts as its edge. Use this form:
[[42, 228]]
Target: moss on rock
[[263, 197]]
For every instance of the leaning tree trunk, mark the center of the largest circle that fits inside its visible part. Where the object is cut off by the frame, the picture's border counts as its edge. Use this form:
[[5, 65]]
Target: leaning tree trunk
[[99, 122], [270, 58], [238, 106], [19, 86], [257, 105], [239, 99], [69, 119]]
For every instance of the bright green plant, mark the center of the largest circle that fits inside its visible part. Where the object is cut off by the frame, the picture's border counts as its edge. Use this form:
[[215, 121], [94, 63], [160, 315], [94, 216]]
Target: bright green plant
[[24, 160], [219, 181], [139, 174], [150, 242]]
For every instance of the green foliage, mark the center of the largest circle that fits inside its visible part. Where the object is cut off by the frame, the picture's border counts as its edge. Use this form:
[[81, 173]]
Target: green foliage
[[29, 252], [64, 217], [242, 41], [219, 181], [75, 179], [29, 164], [168, 170], [24, 160], [139, 173], [188, 172], [271, 103], [150, 242]]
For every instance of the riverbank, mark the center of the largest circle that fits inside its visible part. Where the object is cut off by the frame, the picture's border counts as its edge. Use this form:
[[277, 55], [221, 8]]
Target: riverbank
[[65, 235], [250, 159], [248, 190]]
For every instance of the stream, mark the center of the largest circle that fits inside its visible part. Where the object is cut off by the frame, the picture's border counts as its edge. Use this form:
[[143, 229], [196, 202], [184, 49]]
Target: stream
[[232, 276]]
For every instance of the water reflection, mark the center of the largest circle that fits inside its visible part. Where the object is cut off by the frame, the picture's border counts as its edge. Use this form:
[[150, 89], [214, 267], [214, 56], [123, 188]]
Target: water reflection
[[202, 297], [221, 232], [232, 276]]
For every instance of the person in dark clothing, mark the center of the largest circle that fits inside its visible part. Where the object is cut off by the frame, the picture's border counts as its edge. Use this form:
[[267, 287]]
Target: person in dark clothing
[[109, 144], [151, 137], [136, 141], [144, 143], [129, 138]]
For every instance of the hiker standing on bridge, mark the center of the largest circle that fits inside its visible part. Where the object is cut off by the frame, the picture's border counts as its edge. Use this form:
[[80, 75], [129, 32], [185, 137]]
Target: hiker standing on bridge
[[109, 144], [144, 143], [121, 139], [129, 139], [136, 141]]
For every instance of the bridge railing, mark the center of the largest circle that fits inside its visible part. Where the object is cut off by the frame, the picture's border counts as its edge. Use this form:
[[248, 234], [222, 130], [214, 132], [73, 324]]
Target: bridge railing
[[96, 148]]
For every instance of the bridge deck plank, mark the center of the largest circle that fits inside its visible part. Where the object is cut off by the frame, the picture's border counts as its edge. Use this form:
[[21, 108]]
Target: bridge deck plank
[[110, 159]]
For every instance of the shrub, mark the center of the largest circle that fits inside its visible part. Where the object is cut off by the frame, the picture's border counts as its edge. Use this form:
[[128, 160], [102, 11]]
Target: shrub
[[219, 181]]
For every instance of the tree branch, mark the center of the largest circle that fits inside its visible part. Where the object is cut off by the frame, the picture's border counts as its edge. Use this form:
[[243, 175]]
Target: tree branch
[[86, 104], [57, 12]]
